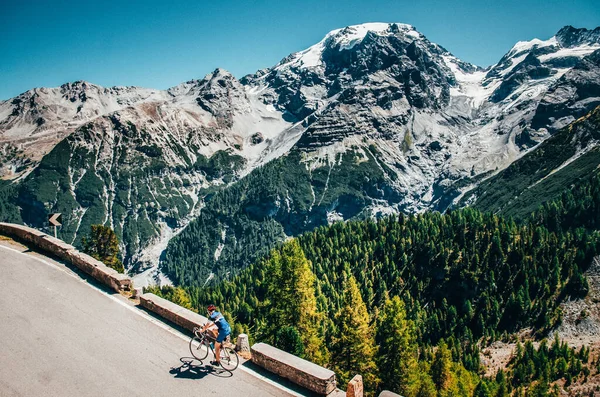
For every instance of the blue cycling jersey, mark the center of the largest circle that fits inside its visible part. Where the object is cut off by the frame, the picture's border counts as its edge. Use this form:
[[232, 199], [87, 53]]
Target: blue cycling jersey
[[220, 322]]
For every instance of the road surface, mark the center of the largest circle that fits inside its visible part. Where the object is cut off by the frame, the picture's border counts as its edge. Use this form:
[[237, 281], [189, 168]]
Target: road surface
[[60, 336]]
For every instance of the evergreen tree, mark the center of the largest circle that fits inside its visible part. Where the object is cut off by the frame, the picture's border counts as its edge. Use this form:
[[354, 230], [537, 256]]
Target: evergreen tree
[[502, 390], [482, 390], [398, 357], [102, 244], [176, 295], [426, 386], [354, 349], [291, 300], [289, 339], [441, 368]]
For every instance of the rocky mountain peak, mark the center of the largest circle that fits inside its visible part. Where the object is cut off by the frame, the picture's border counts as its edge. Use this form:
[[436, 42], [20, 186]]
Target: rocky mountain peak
[[221, 78], [220, 93], [78, 91], [392, 56], [380, 118], [569, 36], [345, 39]]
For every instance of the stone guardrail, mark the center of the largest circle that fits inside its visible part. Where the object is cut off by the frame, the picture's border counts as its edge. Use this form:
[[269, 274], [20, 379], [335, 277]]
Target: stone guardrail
[[181, 316], [98, 270], [302, 372]]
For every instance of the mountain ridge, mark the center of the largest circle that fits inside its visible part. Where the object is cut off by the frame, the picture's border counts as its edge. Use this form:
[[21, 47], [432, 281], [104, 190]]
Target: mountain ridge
[[427, 124]]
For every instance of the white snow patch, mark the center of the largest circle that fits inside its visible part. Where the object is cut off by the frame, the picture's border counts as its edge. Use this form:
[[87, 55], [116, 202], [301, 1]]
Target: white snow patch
[[333, 216], [151, 255], [579, 52], [528, 45], [221, 245], [345, 38], [210, 277]]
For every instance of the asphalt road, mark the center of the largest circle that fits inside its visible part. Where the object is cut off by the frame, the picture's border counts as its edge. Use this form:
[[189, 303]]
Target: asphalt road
[[60, 336]]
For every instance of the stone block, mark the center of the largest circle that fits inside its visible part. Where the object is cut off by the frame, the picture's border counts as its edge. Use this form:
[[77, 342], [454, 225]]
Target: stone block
[[355, 387], [137, 292], [179, 315], [67, 252], [242, 344], [301, 372], [387, 393]]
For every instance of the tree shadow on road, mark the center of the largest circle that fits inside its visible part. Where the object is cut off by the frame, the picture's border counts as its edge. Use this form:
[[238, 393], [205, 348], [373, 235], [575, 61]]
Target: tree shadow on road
[[192, 368]]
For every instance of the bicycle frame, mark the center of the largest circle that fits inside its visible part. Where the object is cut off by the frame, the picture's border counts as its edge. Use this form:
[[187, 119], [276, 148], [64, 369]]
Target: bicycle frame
[[206, 341], [228, 358]]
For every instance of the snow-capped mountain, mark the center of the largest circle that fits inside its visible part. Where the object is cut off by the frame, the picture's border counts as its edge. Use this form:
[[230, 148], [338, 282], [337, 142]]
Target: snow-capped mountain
[[390, 122], [563, 161], [435, 118], [379, 118]]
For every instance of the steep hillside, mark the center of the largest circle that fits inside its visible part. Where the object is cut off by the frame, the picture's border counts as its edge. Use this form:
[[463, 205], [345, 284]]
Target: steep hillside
[[560, 162], [32, 123], [144, 169], [283, 198]]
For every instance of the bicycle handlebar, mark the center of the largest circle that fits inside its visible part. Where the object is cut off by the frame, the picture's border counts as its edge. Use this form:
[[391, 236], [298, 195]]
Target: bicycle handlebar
[[198, 330]]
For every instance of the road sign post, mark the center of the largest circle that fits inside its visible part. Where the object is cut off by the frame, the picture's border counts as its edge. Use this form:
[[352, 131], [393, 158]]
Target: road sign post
[[55, 220]]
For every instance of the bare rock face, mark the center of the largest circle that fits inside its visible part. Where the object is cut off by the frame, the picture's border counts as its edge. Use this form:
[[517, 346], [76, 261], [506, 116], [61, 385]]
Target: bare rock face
[[572, 96], [35, 121], [570, 37], [257, 138], [581, 318]]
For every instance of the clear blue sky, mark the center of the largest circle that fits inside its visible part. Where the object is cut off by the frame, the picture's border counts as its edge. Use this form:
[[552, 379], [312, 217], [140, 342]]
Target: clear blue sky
[[159, 44]]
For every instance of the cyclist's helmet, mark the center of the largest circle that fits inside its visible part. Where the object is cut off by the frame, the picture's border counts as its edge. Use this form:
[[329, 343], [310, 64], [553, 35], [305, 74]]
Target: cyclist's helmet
[[210, 308]]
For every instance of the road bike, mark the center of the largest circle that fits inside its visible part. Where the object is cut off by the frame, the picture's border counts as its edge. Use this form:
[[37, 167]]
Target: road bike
[[201, 342]]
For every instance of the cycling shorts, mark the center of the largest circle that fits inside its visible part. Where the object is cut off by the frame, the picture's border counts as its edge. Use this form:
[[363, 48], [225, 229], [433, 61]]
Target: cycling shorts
[[222, 335]]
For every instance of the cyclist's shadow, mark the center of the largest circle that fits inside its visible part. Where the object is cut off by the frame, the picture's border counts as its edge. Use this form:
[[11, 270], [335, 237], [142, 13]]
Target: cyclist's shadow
[[192, 368]]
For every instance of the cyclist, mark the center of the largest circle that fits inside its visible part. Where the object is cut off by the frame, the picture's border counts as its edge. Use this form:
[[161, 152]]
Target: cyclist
[[224, 331]]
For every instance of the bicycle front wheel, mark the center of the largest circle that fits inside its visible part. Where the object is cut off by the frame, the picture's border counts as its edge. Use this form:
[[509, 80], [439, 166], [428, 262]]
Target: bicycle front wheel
[[198, 349], [229, 358]]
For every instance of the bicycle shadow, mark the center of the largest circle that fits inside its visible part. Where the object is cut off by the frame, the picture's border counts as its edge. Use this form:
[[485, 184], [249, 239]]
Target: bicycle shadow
[[192, 368]]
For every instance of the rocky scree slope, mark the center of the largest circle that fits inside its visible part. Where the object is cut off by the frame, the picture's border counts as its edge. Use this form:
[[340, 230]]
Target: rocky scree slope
[[571, 155]]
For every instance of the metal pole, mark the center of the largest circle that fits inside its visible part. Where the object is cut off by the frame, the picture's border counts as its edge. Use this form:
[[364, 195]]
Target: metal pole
[[55, 231]]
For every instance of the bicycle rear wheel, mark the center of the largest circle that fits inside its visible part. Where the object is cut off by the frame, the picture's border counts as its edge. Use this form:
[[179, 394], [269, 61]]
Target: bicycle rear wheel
[[198, 349], [229, 358]]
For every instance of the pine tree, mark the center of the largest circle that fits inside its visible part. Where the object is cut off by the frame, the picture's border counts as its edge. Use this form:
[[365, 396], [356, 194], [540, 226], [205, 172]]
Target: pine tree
[[102, 244], [426, 386], [291, 300], [354, 350], [441, 367], [502, 390], [482, 390], [289, 339], [176, 295], [398, 359]]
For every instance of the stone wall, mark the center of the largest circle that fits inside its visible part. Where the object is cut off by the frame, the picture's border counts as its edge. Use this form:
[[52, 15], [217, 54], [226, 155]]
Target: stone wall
[[176, 314], [302, 372], [98, 270]]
